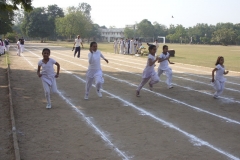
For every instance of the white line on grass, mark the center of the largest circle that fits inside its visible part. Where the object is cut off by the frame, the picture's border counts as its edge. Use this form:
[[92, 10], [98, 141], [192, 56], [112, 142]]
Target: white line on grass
[[192, 137], [161, 95], [97, 130]]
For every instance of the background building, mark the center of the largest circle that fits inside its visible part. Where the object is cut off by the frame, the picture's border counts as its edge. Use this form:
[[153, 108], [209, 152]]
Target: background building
[[111, 33]]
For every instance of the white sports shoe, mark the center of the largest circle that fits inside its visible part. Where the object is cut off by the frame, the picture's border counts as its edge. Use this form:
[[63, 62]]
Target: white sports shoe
[[48, 106], [99, 93], [170, 87], [86, 97]]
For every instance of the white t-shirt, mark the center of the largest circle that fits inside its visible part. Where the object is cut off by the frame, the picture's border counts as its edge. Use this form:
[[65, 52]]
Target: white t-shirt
[[94, 67], [149, 70], [115, 43], [219, 73], [18, 42], [77, 42], [48, 74], [164, 64], [131, 43]]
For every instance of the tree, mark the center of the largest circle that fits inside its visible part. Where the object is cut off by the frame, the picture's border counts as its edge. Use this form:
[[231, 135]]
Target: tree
[[36, 24], [6, 19], [223, 36], [128, 32], [11, 5], [74, 23], [85, 9], [145, 28], [53, 12], [159, 30]]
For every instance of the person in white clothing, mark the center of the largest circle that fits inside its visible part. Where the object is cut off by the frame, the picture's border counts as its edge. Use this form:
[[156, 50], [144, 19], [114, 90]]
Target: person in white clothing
[[76, 44], [157, 45], [115, 46], [149, 72], [19, 47], [135, 46], [94, 71], [7, 45], [164, 67], [48, 75], [219, 80], [126, 46], [131, 46], [22, 45], [2, 47], [121, 46]]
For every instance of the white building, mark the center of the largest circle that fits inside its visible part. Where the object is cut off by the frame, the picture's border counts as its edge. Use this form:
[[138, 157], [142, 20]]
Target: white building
[[112, 33]]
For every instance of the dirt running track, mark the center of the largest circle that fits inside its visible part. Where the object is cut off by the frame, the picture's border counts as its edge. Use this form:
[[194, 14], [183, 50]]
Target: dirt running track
[[183, 123]]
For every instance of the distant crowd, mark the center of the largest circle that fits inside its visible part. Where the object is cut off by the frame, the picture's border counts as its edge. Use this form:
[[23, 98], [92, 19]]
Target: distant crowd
[[130, 46]]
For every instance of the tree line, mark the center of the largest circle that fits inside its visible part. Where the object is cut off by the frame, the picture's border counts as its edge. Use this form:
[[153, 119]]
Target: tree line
[[221, 33], [53, 23]]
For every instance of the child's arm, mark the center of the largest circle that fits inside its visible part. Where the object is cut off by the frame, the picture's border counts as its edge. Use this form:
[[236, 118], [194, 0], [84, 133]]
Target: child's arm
[[213, 74], [58, 69], [162, 59], [38, 71], [103, 58], [152, 62], [226, 72], [169, 61]]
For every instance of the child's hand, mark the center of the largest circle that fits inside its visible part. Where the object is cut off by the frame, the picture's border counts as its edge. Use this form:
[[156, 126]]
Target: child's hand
[[56, 76], [39, 75], [213, 80], [172, 63], [227, 72], [106, 60]]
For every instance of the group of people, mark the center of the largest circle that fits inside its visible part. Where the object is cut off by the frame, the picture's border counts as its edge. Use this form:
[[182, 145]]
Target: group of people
[[20, 46], [130, 46], [94, 72], [4, 46]]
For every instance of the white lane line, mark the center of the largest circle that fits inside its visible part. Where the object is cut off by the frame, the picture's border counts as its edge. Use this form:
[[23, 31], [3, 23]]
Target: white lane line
[[114, 55], [140, 64], [188, 88], [159, 94], [88, 120], [192, 137]]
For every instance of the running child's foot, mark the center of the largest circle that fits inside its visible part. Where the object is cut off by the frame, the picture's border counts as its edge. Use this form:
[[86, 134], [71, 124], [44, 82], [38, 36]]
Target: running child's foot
[[86, 97], [137, 93], [150, 87], [215, 96], [99, 93], [48, 106], [170, 87]]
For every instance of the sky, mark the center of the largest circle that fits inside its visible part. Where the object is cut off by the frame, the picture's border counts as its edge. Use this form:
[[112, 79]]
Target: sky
[[119, 13]]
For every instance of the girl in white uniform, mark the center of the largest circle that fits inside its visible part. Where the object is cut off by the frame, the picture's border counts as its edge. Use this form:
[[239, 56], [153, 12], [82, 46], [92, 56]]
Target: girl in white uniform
[[131, 46], [47, 75], [94, 71], [115, 45], [149, 72], [219, 80], [18, 48], [121, 46], [163, 67]]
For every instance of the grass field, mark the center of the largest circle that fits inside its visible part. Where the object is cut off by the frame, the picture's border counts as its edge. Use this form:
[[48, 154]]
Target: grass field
[[202, 55]]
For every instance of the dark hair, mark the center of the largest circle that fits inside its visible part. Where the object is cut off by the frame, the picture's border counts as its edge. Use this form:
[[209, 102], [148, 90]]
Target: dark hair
[[151, 47], [165, 46], [46, 49], [218, 59], [92, 43]]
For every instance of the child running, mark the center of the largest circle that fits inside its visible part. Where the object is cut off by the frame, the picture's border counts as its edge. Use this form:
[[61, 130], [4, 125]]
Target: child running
[[149, 72], [219, 80], [163, 67], [47, 75], [94, 71]]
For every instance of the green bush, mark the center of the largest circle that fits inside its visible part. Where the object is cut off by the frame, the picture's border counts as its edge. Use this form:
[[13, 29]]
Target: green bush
[[12, 37]]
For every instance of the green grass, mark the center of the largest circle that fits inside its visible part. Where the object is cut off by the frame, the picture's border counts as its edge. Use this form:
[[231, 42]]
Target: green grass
[[7, 59], [201, 55]]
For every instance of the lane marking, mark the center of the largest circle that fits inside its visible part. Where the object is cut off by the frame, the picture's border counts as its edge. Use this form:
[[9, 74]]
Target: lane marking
[[159, 94], [192, 138], [88, 120]]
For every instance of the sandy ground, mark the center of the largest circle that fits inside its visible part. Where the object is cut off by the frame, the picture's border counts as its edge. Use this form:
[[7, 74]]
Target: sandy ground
[[165, 128], [6, 147]]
